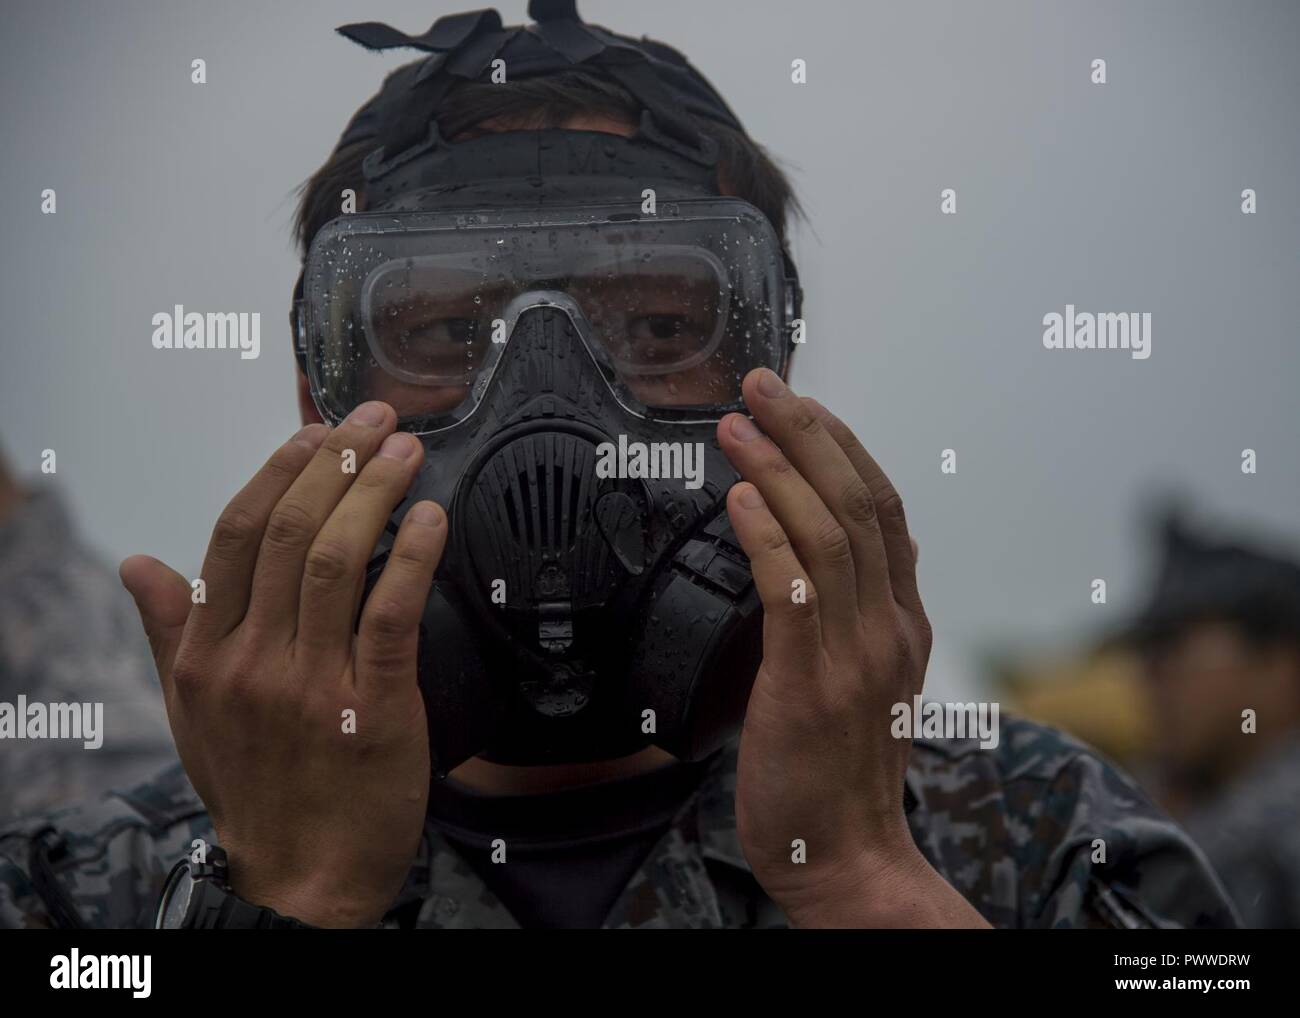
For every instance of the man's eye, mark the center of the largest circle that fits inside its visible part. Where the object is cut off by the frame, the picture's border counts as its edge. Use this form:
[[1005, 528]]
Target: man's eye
[[442, 330], [658, 327]]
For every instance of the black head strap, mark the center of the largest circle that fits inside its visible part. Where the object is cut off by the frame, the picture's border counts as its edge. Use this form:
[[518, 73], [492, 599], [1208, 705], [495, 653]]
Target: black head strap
[[553, 10], [461, 47], [445, 34]]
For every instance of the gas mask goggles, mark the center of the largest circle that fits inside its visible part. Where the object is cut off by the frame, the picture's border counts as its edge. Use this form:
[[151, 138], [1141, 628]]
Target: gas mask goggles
[[418, 309]]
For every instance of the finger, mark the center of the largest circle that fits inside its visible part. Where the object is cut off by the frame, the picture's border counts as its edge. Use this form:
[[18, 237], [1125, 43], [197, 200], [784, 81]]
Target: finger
[[334, 572], [820, 542], [791, 614], [793, 426], [899, 547], [302, 511], [162, 597], [389, 636], [232, 551]]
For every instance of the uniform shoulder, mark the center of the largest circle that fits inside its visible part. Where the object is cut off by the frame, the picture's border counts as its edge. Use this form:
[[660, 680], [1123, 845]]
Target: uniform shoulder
[[1024, 750], [1040, 829], [1032, 773]]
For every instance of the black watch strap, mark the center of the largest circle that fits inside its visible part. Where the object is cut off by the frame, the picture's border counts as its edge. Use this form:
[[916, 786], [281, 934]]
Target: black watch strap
[[212, 905], [218, 908]]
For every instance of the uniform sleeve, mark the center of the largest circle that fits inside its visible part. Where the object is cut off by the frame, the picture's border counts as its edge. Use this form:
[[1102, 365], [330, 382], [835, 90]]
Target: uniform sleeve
[[102, 865], [20, 906], [1110, 858]]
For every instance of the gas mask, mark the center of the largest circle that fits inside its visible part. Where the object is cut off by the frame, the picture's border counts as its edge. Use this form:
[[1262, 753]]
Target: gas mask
[[562, 318]]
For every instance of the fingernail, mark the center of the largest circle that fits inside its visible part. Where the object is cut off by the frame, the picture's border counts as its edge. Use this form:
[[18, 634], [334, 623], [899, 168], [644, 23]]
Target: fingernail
[[426, 514], [750, 498], [397, 446], [770, 384], [370, 414], [311, 436], [743, 428]]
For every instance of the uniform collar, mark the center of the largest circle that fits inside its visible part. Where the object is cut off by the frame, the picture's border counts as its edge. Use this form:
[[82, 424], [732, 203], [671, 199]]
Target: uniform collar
[[671, 888]]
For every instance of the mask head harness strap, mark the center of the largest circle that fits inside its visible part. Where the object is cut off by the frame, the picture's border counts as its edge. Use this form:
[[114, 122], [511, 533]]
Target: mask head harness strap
[[462, 47]]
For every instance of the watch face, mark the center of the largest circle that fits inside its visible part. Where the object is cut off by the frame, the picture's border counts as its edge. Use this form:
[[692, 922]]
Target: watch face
[[176, 898]]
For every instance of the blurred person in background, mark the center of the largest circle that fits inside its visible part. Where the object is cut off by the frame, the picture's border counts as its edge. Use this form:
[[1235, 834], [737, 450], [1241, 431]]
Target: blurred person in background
[[69, 634], [1220, 641]]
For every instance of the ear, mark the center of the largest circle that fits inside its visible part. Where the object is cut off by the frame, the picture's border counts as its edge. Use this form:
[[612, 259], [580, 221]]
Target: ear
[[306, 408]]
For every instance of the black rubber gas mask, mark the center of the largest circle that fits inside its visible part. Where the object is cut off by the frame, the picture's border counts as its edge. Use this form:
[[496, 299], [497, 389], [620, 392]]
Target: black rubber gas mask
[[565, 367]]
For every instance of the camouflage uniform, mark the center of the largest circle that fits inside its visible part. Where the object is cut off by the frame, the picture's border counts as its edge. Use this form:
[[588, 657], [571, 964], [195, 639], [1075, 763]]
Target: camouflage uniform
[[70, 634], [1011, 828], [1251, 832]]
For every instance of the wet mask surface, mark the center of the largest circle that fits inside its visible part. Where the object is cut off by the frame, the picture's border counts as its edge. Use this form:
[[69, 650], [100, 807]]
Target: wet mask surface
[[591, 576]]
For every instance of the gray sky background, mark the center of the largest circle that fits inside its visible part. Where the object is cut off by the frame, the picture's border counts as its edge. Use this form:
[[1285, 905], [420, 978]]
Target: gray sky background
[[925, 330]]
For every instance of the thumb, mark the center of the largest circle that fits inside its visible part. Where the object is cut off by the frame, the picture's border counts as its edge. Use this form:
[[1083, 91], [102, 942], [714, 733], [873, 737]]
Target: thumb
[[162, 597]]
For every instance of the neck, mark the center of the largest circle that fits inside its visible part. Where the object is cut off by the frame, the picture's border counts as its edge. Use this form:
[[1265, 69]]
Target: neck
[[489, 778]]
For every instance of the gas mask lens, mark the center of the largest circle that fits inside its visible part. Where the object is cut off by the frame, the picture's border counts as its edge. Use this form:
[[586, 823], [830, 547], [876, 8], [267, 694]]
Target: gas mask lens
[[416, 309]]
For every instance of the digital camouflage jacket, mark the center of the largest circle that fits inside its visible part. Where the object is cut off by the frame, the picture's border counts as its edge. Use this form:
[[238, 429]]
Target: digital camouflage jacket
[[1015, 829]]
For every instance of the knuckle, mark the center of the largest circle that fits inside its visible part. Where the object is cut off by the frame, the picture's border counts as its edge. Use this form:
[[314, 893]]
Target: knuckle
[[385, 658], [900, 663], [349, 438], [258, 628], [235, 529], [831, 539], [804, 422], [241, 676], [339, 439], [405, 559], [388, 619], [187, 674], [859, 506], [838, 430], [240, 686], [890, 507], [773, 540], [291, 525], [779, 466], [380, 476], [249, 682], [806, 608], [284, 466], [327, 561], [889, 653], [924, 635]]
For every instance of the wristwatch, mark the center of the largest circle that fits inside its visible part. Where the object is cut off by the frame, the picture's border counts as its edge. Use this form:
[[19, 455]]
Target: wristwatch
[[197, 896]]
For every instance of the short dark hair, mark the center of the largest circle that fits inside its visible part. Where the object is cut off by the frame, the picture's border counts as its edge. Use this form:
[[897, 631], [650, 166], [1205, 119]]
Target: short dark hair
[[744, 168]]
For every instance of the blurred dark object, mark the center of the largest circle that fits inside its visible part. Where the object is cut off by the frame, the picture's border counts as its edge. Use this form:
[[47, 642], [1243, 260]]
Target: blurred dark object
[[1210, 579]]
